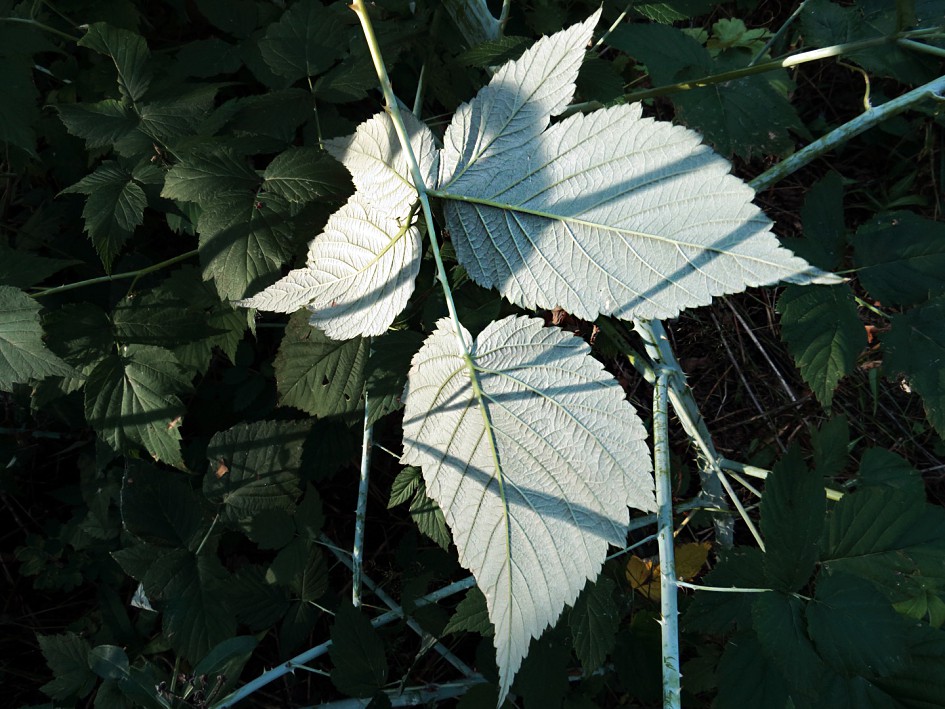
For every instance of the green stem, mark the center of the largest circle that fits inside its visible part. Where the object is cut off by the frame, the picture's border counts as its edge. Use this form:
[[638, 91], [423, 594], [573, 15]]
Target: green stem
[[207, 535], [838, 136], [780, 33], [40, 26], [115, 276], [761, 474], [669, 623], [922, 47]]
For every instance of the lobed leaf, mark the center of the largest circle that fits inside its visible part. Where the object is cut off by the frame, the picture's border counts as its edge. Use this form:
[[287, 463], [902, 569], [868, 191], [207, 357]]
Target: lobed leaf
[[607, 213], [534, 467]]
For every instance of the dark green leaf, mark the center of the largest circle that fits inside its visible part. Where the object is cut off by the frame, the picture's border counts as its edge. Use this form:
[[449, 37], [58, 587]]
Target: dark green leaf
[[301, 568], [158, 317], [664, 50], [227, 659], [823, 333], [781, 628], [130, 54], [357, 653], [180, 115], [543, 679], [303, 174], [495, 52], [405, 485], [386, 373], [429, 518], [257, 603], [747, 678], [831, 443], [244, 242], [669, 11], [158, 507], [109, 662], [716, 613], [269, 528], [322, 377], [599, 81], [309, 516], [255, 466], [275, 115], [854, 628], [208, 57], [101, 124], [920, 683], [81, 334], [22, 269], [792, 521], [901, 258], [23, 356], [824, 236], [115, 206], [594, 621], [306, 41], [194, 591], [883, 468], [471, 615], [207, 173], [68, 657], [915, 347], [235, 17], [18, 113], [131, 399], [297, 625], [136, 560]]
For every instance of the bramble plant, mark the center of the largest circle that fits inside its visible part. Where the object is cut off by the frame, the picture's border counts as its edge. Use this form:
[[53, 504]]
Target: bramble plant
[[419, 323]]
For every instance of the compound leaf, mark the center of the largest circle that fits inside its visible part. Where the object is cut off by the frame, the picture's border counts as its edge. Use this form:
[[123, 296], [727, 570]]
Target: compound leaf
[[824, 334], [115, 206], [131, 399], [534, 465], [159, 508], [360, 271], [101, 124], [23, 356], [321, 376], [606, 213]]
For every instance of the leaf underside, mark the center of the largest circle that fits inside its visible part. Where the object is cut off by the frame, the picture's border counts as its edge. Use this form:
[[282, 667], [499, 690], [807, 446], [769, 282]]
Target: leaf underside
[[535, 477]]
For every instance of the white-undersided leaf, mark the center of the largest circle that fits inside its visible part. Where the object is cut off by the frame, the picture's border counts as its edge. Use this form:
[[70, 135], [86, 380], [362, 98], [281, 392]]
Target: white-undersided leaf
[[378, 165], [359, 275], [534, 477], [605, 213]]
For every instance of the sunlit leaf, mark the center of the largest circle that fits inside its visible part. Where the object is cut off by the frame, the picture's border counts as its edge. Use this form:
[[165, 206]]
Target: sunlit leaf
[[605, 213], [543, 455]]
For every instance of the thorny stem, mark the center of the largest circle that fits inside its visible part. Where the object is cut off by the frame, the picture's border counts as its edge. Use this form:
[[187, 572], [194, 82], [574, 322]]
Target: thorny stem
[[838, 136], [360, 514], [115, 276], [315, 652], [669, 622]]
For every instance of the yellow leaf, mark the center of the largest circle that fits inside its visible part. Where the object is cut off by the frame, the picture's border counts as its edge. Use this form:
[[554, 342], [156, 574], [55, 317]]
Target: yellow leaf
[[644, 574]]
